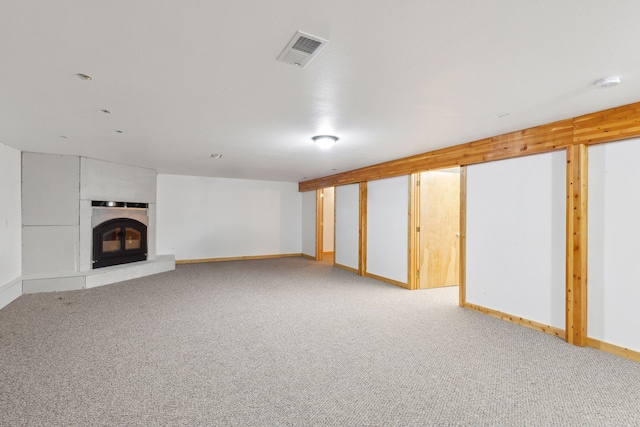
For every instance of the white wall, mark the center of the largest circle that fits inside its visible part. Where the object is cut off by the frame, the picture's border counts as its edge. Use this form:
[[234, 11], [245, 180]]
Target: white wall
[[309, 223], [200, 217], [347, 208], [614, 252], [516, 237], [328, 221], [387, 228], [10, 225]]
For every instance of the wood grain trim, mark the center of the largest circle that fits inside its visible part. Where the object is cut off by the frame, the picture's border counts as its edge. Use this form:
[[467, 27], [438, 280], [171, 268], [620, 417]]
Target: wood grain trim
[[239, 258], [344, 267], [319, 223], [517, 320], [414, 237], [308, 257], [390, 281], [576, 240], [539, 139], [614, 124], [362, 231], [614, 349], [462, 265]]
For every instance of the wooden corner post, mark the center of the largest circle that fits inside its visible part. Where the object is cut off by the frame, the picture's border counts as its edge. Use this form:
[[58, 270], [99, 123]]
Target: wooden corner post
[[362, 240], [319, 224], [576, 235]]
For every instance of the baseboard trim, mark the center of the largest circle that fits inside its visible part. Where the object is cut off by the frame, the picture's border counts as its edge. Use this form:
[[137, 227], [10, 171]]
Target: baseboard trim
[[10, 291], [235, 258], [391, 281], [551, 330], [328, 253], [614, 349], [344, 267], [312, 257]]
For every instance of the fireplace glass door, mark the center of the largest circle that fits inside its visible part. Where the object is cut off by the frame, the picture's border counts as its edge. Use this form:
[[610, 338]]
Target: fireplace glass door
[[119, 241]]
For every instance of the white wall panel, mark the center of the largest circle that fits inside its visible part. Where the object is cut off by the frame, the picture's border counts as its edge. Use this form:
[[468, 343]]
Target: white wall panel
[[309, 223], [516, 237], [112, 181], [50, 189], [347, 202], [52, 249], [10, 224], [614, 253], [201, 217], [387, 228]]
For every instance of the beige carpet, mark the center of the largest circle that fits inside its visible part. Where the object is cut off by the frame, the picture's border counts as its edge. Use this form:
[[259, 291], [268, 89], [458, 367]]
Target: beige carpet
[[292, 342]]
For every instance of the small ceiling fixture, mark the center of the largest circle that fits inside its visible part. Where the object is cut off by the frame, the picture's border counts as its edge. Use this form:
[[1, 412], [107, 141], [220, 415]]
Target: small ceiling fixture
[[119, 131], [106, 111], [84, 76], [216, 156], [325, 141], [608, 82]]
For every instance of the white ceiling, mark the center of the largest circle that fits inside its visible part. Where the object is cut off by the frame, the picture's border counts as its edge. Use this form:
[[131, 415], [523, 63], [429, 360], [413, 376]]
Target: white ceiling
[[186, 79]]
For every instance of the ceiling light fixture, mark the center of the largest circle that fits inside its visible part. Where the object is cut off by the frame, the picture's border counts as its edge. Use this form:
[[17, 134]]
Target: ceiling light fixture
[[216, 156], [84, 76], [325, 141], [608, 82], [119, 131], [106, 111]]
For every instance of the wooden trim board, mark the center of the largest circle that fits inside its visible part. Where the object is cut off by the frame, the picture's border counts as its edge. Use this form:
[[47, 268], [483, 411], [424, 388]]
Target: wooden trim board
[[517, 320], [344, 267], [390, 281], [614, 124], [576, 241], [240, 258], [613, 349]]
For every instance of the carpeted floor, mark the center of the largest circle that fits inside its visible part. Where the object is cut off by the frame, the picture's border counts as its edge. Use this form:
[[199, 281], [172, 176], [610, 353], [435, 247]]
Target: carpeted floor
[[291, 342]]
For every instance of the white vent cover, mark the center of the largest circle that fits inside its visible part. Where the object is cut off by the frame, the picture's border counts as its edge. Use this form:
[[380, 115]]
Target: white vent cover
[[302, 49]]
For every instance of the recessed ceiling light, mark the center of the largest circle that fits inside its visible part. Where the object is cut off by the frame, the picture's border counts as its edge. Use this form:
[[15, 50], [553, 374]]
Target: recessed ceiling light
[[64, 137], [119, 131], [608, 82], [84, 76], [325, 141], [216, 156], [106, 111]]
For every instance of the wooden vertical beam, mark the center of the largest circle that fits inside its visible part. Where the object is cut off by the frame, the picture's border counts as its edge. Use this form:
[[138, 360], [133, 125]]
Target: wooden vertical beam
[[319, 224], [462, 265], [414, 237], [362, 234], [576, 268]]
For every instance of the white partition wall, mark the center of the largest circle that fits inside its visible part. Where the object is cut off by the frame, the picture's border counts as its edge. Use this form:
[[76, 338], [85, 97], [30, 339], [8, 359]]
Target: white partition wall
[[202, 217], [614, 253], [515, 259], [387, 228], [309, 223], [347, 203], [10, 225]]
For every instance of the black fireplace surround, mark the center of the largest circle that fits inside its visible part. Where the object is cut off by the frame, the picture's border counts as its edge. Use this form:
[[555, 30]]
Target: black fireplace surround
[[119, 241]]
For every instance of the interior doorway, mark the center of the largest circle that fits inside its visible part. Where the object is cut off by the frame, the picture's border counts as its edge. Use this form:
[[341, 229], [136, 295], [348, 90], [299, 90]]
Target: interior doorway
[[326, 224], [439, 228]]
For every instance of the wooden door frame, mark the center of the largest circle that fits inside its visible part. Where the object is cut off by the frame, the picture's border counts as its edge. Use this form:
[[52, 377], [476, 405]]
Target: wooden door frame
[[319, 223]]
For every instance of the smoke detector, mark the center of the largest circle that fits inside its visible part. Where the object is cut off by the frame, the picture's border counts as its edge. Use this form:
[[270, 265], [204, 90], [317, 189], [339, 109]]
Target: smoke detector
[[302, 49]]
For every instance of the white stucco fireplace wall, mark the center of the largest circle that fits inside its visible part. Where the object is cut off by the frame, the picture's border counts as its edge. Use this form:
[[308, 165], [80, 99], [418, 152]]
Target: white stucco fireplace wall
[[57, 192]]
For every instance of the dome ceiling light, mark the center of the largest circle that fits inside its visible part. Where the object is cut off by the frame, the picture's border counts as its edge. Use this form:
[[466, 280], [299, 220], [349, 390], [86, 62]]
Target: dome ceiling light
[[325, 141]]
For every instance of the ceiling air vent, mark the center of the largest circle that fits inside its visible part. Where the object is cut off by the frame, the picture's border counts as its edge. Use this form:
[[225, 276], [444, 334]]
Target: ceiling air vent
[[302, 49]]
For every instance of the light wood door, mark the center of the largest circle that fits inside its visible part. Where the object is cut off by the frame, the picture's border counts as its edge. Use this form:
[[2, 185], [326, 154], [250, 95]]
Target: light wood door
[[439, 228]]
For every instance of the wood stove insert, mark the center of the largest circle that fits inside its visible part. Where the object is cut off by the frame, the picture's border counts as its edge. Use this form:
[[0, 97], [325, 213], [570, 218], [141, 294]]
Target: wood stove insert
[[119, 241]]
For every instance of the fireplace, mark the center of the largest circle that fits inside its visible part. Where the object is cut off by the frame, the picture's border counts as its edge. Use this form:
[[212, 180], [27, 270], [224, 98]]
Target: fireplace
[[119, 233]]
